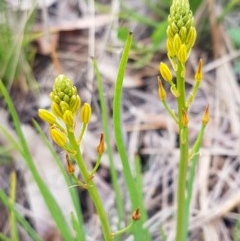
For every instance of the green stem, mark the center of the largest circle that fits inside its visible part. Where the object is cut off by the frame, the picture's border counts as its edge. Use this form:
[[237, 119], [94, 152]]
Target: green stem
[[171, 113], [195, 151], [183, 162], [91, 188]]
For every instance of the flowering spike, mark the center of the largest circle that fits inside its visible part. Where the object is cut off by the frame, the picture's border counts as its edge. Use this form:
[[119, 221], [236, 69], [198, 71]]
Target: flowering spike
[[180, 28], [198, 75], [161, 91], [165, 72], [205, 117], [58, 137], [101, 147], [47, 116], [64, 96], [86, 113]]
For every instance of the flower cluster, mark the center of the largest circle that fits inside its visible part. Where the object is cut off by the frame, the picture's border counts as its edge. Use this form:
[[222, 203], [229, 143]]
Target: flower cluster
[[181, 34], [65, 104]]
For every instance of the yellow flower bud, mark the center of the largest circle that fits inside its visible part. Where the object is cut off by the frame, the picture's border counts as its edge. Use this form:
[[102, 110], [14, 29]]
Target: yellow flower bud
[[191, 37], [205, 117], [85, 114], [198, 75], [182, 54], [165, 72], [177, 42], [56, 109], [68, 118], [161, 92], [75, 104], [170, 48], [58, 137], [183, 33], [101, 147], [47, 116]]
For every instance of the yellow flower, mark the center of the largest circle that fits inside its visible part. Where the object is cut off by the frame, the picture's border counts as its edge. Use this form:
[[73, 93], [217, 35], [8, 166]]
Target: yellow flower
[[161, 91], [86, 113], [165, 72], [182, 54], [205, 117], [198, 75], [47, 116], [68, 118], [58, 137]]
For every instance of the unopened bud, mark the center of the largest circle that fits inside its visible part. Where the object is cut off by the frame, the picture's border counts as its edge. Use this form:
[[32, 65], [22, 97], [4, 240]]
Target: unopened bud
[[198, 75], [161, 91], [85, 114], [177, 42], [191, 37], [56, 109], [101, 146], [58, 137], [205, 117], [182, 54], [165, 72], [68, 118], [170, 48], [47, 116]]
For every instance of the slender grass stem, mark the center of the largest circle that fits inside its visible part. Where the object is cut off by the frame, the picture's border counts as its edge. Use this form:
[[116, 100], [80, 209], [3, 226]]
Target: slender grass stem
[[183, 162]]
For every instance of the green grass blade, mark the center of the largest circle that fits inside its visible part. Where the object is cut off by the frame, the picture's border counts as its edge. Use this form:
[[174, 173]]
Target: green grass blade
[[4, 238], [139, 232], [105, 125], [50, 201], [79, 223], [14, 143], [21, 220]]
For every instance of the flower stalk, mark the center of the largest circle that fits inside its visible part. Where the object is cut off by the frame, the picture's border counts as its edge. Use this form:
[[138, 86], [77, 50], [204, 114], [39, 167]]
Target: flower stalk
[[65, 105], [181, 36]]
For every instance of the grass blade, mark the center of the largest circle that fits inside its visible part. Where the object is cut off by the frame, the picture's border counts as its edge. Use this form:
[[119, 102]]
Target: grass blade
[[139, 232], [105, 125]]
